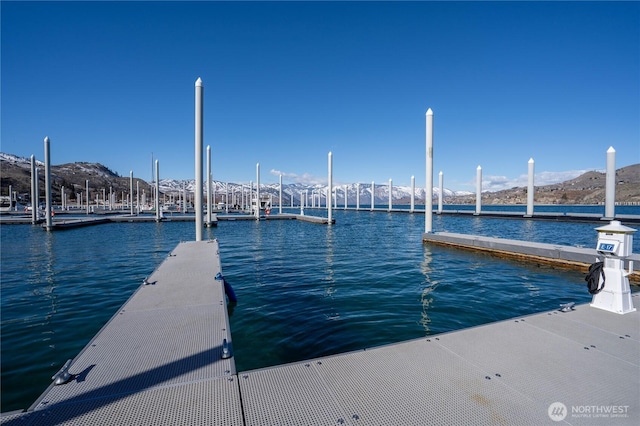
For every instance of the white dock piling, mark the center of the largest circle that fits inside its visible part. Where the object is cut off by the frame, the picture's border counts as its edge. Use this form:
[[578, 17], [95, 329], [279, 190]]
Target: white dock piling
[[413, 194], [226, 197], [440, 191], [137, 197], [34, 196], [198, 164], [478, 190], [37, 205], [280, 196], [428, 195], [47, 183], [530, 187], [86, 184], [157, 204], [373, 194], [62, 198], [130, 192], [610, 185], [346, 195], [257, 212], [330, 188], [209, 185], [390, 191]]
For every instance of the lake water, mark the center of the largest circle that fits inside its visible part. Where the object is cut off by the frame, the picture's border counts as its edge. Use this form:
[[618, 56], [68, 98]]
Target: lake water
[[304, 290]]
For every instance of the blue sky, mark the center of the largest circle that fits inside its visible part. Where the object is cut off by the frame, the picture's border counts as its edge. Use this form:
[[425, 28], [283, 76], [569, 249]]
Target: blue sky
[[287, 82]]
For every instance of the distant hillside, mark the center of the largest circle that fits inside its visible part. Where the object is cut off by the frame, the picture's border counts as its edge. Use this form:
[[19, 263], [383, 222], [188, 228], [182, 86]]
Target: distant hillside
[[588, 188], [16, 171]]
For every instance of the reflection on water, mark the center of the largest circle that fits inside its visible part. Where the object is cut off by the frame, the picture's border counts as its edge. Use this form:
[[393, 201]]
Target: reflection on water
[[430, 285]]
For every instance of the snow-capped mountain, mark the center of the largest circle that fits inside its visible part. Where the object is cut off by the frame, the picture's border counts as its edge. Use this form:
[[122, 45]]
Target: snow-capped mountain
[[381, 194]]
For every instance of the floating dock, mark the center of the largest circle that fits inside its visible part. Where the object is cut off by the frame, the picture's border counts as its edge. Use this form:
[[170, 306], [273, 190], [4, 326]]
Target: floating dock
[[566, 257], [76, 222], [159, 360]]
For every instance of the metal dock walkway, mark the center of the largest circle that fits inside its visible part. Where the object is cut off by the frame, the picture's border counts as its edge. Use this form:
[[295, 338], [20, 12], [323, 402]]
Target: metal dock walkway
[[158, 361]]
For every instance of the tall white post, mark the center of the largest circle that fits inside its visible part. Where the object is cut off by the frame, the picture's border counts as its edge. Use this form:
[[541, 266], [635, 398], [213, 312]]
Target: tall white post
[[209, 207], [86, 184], [478, 190], [530, 187], [257, 191], [62, 198], [357, 196], [198, 139], [428, 194], [373, 194], [280, 196], [330, 188], [47, 183], [37, 206], [413, 194], [130, 191], [157, 205], [137, 197], [610, 185], [11, 197], [213, 191], [226, 198], [34, 196], [390, 191], [440, 191], [346, 193]]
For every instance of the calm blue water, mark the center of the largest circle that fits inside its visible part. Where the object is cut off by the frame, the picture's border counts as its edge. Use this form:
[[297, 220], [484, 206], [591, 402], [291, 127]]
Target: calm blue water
[[304, 290]]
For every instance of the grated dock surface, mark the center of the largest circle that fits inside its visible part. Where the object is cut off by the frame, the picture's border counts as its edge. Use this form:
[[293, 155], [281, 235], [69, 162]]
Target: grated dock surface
[[158, 360]]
